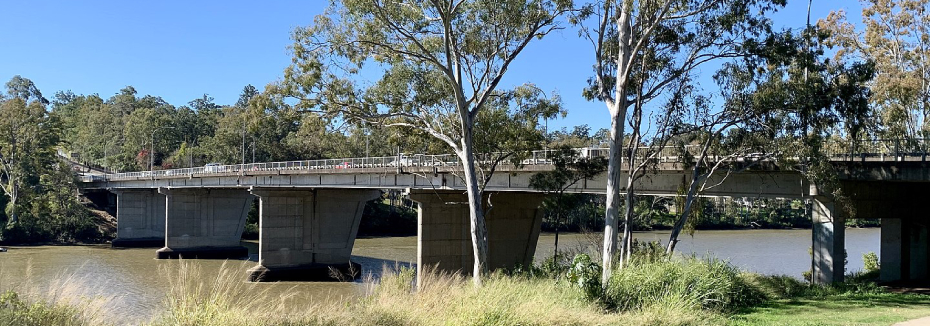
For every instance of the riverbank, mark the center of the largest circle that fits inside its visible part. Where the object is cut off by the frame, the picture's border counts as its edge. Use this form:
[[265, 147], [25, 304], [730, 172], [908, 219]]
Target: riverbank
[[680, 292], [132, 275]]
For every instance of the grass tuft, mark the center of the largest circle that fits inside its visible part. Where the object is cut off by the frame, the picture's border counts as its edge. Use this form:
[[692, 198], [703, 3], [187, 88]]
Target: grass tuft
[[686, 283]]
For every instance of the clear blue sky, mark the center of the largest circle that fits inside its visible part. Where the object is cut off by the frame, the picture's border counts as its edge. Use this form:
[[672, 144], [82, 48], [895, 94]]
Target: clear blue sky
[[180, 50]]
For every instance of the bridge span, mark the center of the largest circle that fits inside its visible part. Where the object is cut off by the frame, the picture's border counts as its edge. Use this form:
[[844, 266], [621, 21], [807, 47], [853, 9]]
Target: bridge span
[[310, 210]]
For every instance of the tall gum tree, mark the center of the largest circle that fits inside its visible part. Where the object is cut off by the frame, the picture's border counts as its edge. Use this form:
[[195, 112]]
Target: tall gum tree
[[437, 66], [643, 49], [895, 35], [780, 102], [25, 132]]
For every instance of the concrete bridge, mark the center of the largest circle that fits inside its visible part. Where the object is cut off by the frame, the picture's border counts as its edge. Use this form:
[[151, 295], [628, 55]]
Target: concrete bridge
[[310, 210]]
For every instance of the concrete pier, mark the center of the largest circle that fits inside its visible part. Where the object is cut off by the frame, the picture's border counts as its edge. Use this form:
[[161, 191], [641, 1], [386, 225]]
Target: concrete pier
[[307, 234], [829, 242], [905, 251], [444, 244], [205, 223], [140, 218]]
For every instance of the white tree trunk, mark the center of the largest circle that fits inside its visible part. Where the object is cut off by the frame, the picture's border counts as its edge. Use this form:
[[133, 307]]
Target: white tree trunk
[[627, 248], [617, 109], [479, 230], [614, 172], [14, 194]]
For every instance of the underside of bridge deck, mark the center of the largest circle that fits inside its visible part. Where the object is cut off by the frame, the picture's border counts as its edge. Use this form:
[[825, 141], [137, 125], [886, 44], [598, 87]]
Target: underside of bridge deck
[[902, 208]]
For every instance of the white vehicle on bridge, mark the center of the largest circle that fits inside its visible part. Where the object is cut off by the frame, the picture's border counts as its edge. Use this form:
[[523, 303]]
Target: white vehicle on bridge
[[213, 168]]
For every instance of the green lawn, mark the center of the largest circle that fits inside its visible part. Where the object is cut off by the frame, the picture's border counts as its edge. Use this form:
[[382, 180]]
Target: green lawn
[[843, 309]]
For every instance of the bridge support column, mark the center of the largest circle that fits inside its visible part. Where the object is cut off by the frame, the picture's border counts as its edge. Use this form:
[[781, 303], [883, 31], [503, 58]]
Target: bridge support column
[[444, 242], [140, 218], [905, 250], [894, 255], [829, 242], [204, 223], [919, 251], [305, 234]]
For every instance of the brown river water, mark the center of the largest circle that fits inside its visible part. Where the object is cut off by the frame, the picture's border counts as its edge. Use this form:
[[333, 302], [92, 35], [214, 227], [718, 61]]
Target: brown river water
[[131, 276]]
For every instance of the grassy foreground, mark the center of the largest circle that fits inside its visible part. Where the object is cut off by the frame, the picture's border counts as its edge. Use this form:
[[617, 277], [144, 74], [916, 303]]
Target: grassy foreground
[[650, 292]]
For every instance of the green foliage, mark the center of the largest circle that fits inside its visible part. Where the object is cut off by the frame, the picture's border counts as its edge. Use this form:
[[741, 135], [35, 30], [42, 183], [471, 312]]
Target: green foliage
[[37, 189], [14, 310], [381, 219], [586, 275], [870, 262], [688, 283]]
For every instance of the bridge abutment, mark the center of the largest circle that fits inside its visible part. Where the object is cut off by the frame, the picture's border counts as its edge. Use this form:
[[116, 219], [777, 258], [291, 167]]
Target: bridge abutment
[[308, 234], [204, 223], [444, 233], [140, 218]]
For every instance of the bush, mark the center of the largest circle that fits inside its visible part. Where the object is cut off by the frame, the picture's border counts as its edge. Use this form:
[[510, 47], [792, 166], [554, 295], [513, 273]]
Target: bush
[[250, 232], [870, 262], [689, 283], [380, 219], [586, 275]]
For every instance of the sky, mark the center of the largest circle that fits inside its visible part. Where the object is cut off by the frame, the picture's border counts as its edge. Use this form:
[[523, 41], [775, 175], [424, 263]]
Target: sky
[[180, 50]]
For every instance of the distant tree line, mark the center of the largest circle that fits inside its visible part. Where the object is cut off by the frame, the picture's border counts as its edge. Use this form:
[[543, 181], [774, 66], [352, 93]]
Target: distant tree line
[[128, 132]]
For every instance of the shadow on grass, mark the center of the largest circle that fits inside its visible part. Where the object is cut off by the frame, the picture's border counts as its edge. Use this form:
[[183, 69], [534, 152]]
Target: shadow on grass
[[842, 301], [836, 309]]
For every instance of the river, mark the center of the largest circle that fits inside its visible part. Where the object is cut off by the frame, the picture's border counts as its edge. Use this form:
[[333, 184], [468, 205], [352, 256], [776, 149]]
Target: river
[[130, 277]]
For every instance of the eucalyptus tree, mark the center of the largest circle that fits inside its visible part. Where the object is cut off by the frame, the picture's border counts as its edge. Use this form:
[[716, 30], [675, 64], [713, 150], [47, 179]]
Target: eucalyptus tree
[[644, 50], [779, 104], [26, 139], [436, 66], [895, 35]]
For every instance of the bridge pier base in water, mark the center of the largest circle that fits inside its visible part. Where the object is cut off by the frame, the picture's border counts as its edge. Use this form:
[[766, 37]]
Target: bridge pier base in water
[[444, 234], [204, 223], [308, 234], [140, 218]]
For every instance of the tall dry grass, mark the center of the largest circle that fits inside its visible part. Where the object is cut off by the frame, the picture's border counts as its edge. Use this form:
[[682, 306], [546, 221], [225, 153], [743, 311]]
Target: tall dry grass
[[441, 299], [65, 299]]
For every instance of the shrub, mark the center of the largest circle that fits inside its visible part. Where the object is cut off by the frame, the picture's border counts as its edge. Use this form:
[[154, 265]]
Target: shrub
[[689, 283], [586, 275], [870, 261]]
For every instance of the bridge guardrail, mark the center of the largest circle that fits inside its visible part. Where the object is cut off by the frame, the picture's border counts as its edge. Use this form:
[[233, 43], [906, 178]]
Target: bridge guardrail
[[892, 149], [879, 149], [539, 157]]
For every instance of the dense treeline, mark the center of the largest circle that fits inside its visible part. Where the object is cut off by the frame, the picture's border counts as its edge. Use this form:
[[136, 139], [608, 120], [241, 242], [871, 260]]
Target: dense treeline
[[116, 133], [39, 195], [128, 132]]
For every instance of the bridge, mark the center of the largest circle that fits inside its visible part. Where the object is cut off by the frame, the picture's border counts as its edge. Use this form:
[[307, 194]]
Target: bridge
[[310, 210]]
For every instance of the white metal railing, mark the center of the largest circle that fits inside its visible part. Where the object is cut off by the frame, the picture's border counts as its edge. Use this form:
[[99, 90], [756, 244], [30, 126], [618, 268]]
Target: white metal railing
[[837, 150], [538, 157], [880, 149]]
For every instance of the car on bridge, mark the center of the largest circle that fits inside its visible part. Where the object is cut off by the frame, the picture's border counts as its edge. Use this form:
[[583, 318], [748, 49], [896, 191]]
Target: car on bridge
[[213, 168]]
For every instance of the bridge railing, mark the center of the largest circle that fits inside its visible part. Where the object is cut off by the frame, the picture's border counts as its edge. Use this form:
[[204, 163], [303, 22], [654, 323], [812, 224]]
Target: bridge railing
[[881, 149], [878, 149], [538, 157]]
